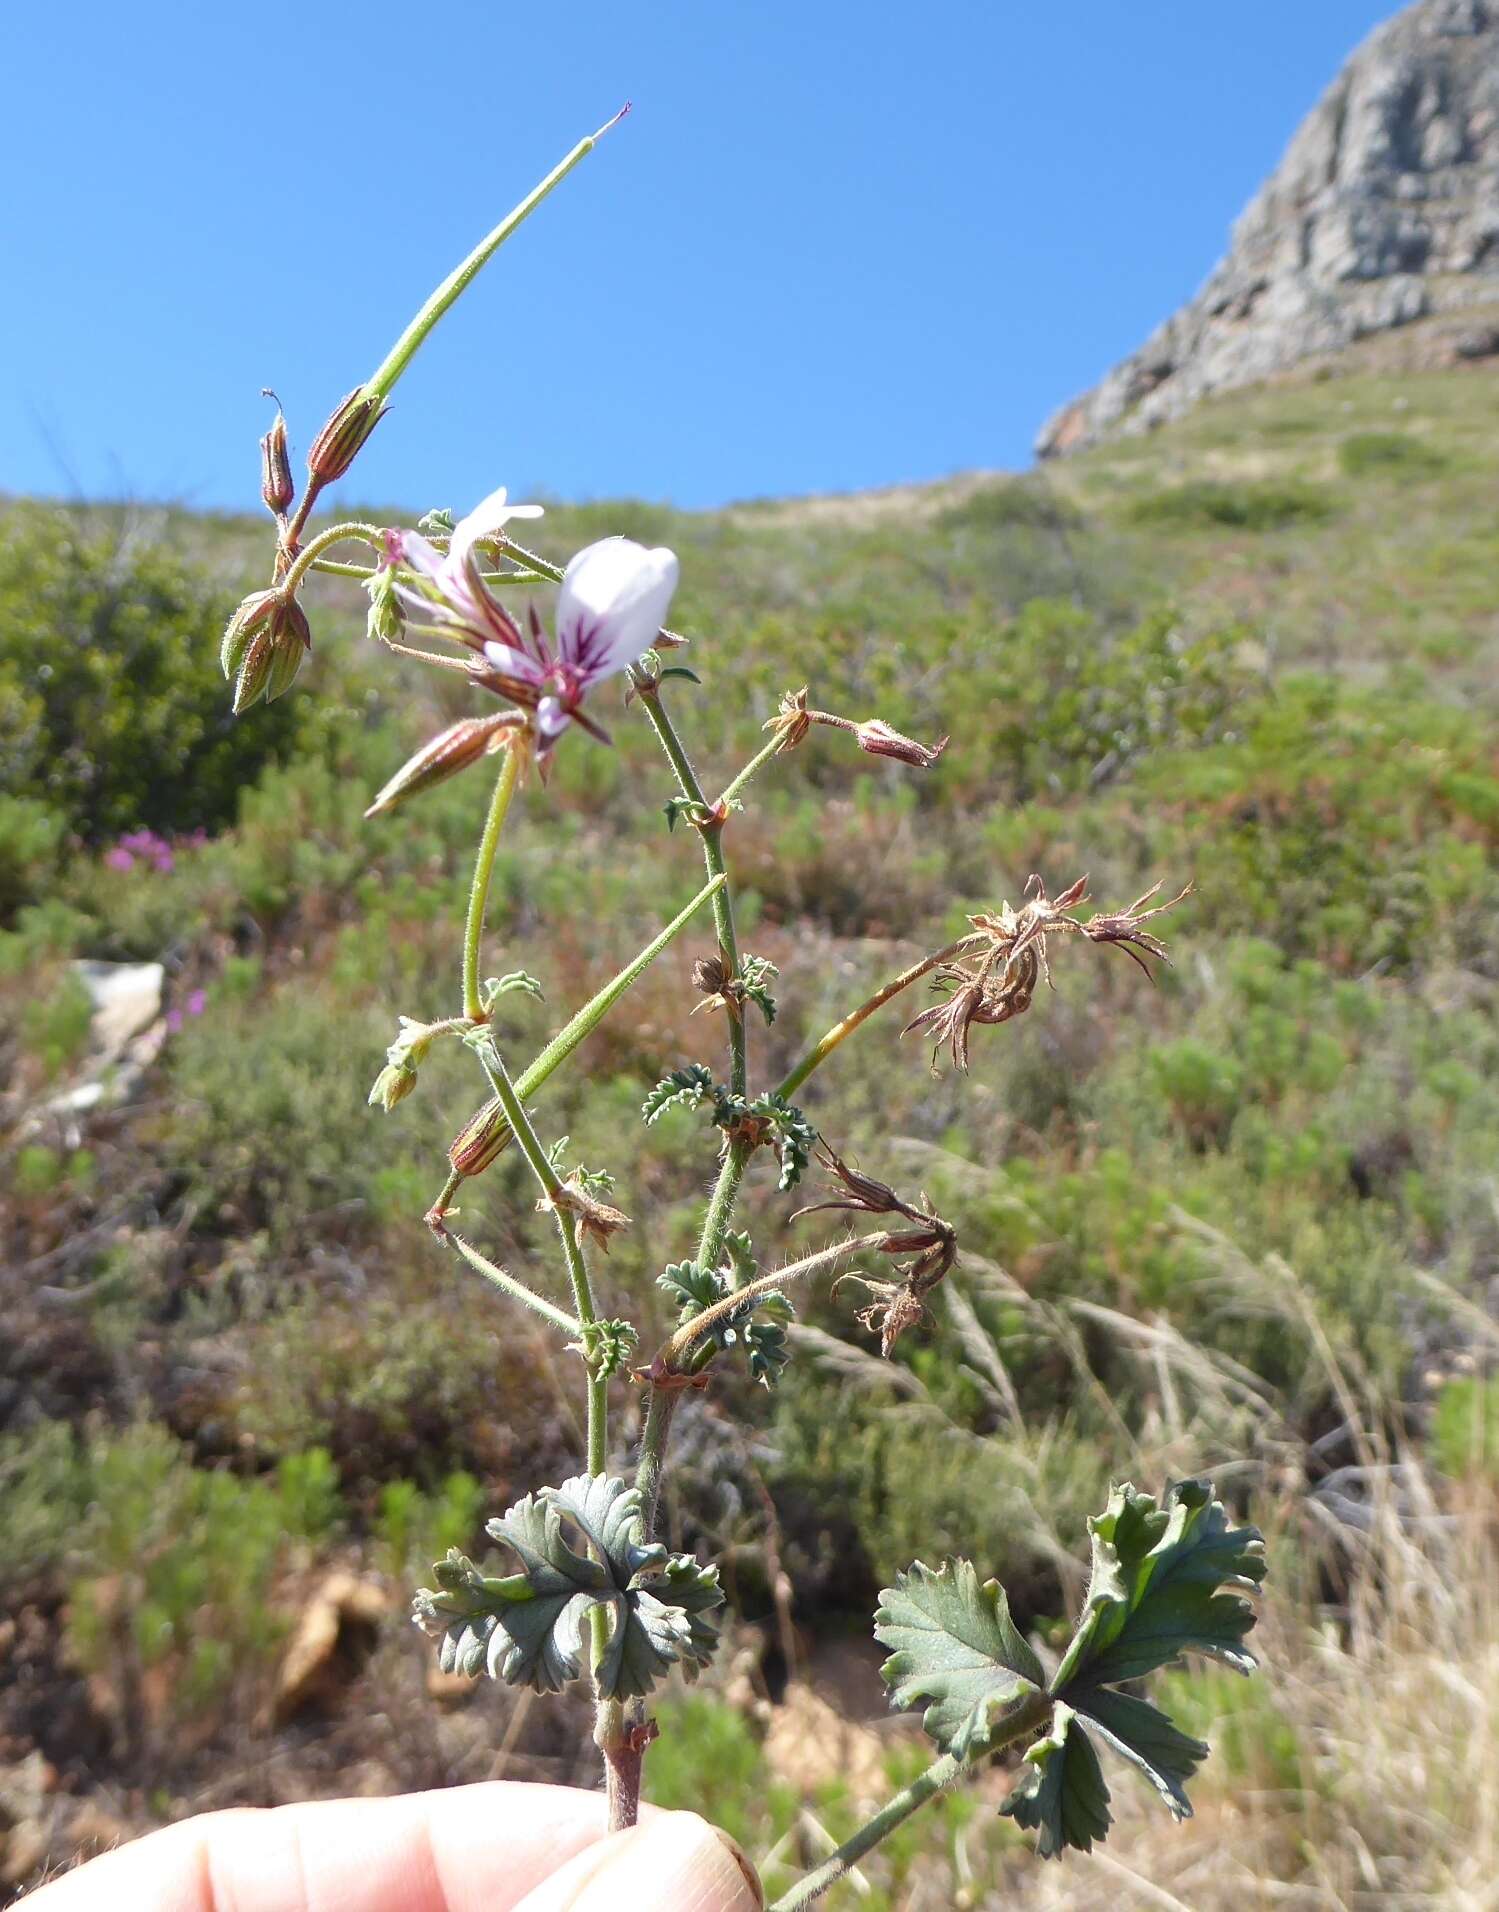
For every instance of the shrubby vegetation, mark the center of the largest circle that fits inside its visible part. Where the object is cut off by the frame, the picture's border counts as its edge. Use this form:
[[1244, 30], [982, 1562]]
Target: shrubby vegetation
[[1247, 1225]]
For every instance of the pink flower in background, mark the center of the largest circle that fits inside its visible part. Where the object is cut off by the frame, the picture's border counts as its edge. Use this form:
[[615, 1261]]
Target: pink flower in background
[[194, 1005], [154, 852], [612, 599]]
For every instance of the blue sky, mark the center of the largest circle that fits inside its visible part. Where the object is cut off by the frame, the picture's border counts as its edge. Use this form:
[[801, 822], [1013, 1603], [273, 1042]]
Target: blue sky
[[833, 246]]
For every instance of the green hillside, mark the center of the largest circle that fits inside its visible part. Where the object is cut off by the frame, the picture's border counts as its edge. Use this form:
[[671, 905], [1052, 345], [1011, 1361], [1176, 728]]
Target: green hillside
[[1245, 1221]]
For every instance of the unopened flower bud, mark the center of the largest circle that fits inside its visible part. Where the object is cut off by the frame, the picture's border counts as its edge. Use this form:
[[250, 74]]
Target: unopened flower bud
[[270, 660], [338, 444], [248, 618], [255, 668], [880, 740], [480, 1140], [450, 751], [393, 1084], [277, 486]]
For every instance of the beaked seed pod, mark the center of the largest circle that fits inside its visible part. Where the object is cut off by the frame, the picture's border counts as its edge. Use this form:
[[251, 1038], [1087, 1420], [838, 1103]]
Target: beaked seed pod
[[277, 487], [338, 443]]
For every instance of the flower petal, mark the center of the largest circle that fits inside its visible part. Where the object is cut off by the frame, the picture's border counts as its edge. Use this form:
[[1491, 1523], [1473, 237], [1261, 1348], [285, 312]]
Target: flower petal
[[614, 595], [487, 517]]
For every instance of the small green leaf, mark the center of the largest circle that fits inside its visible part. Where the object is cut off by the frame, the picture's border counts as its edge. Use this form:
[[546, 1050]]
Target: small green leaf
[[956, 1646], [491, 991], [690, 1287], [436, 524], [1062, 1794], [688, 1087], [797, 1137]]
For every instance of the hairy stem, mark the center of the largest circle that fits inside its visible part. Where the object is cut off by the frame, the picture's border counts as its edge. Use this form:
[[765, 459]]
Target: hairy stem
[[599, 1004], [572, 1252], [681, 1344], [826, 1044], [755, 764], [310, 552], [517, 1290], [1028, 1714], [478, 896], [712, 836]]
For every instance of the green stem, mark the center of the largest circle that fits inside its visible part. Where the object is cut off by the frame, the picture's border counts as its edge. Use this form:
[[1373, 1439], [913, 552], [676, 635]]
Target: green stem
[[1029, 1713], [333, 534], [473, 932], [517, 1290], [826, 1044], [524, 1132], [405, 348], [756, 763], [598, 1006], [711, 834]]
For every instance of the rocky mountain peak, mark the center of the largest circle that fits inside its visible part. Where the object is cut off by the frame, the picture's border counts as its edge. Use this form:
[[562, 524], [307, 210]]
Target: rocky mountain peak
[[1383, 214]]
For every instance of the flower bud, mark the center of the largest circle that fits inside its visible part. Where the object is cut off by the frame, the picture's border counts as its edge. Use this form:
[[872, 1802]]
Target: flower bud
[[247, 619], [255, 668], [341, 439], [876, 736], [279, 638], [480, 1140], [450, 751], [277, 487], [393, 1084]]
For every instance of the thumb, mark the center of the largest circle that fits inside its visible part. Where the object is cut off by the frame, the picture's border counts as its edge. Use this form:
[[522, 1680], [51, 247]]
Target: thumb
[[674, 1861]]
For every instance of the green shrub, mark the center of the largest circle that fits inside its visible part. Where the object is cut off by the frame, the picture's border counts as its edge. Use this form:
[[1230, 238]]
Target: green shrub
[[1465, 1429], [1395, 453], [55, 1026], [1216, 504], [112, 707]]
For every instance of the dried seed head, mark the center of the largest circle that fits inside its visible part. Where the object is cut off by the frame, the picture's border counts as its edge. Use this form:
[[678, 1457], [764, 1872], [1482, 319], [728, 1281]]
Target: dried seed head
[[792, 721], [340, 441], [596, 1219], [876, 736], [277, 487]]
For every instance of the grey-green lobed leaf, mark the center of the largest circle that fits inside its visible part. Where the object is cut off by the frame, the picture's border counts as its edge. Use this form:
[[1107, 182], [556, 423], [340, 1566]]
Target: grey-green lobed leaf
[[528, 1629], [954, 1645], [1156, 1592]]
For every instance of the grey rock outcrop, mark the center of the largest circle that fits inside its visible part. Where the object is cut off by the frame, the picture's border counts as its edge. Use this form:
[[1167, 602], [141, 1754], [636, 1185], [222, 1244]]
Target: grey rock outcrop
[[1383, 212]]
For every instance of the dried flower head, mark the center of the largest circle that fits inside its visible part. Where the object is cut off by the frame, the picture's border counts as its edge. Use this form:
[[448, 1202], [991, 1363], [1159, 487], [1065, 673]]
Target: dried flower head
[[931, 1241], [597, 1219], [792, 721], [994, 977]]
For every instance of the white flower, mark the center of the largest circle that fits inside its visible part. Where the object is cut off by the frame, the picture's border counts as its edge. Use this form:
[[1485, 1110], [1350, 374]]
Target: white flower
[[610, 605]]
